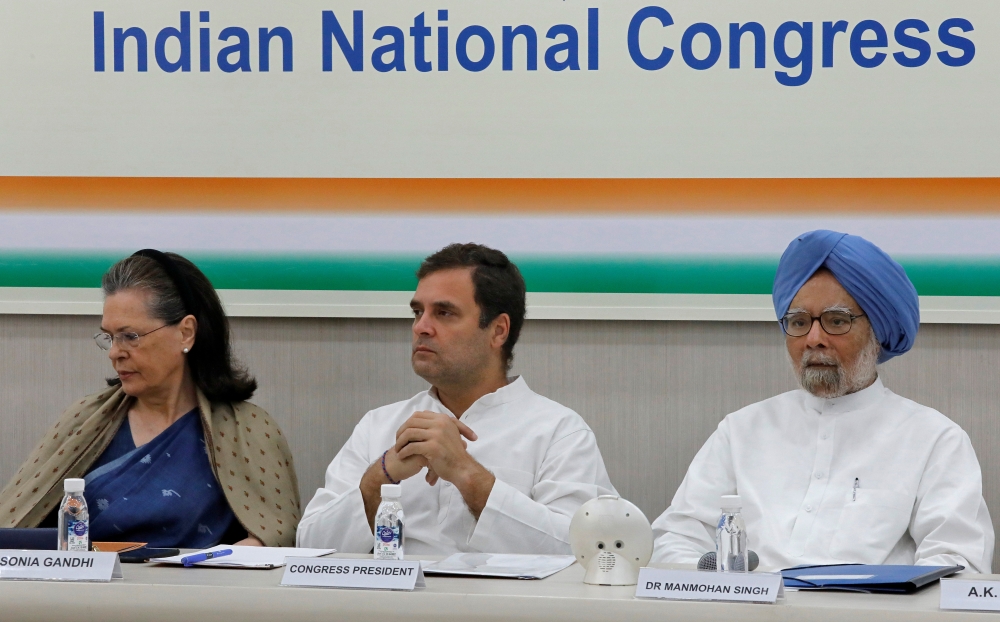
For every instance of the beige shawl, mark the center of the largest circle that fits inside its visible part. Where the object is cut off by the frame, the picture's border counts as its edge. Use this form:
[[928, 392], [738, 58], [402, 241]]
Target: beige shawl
[[248, 453]]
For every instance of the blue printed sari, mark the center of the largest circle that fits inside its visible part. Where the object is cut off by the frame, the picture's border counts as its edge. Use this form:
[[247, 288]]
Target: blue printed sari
[[163, 492]]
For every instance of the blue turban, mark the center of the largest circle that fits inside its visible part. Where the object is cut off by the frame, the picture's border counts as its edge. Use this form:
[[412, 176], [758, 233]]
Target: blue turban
[[870, 276]]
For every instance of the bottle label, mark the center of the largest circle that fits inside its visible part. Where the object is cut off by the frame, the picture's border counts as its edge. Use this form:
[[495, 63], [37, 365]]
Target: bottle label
[[77, 538], [387, 543]]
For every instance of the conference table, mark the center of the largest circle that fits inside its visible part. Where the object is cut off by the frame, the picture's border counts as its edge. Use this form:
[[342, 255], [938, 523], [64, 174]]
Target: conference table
[[159, 593]]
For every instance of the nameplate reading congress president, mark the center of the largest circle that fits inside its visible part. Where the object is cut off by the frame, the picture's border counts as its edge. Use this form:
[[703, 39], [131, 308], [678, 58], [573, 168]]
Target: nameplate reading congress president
[[749, 587], [59, 566], [358, 574]]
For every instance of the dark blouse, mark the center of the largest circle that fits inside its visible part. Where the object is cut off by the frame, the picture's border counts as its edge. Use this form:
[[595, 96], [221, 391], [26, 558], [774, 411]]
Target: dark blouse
[[163, 493]]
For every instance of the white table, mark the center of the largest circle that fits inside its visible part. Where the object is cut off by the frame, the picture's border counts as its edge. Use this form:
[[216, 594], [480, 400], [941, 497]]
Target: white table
[[172, 594]]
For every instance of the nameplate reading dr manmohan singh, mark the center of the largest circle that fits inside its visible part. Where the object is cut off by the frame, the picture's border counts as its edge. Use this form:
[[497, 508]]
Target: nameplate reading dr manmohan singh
[[748, 587]]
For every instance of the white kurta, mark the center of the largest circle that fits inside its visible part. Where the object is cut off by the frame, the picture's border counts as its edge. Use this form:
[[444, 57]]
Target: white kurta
[[795, 458], [543, 455]]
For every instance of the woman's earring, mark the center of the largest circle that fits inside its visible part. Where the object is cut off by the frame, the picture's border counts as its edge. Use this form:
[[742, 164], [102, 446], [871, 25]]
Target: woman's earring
[[186, 350]]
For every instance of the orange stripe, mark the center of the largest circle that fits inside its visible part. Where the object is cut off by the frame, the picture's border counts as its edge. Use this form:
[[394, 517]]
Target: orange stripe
[[756, 196]]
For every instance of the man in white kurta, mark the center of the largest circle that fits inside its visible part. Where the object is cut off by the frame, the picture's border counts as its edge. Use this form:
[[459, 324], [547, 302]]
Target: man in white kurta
[[843, 470], [795, 459], [544, 456], [487, 465]]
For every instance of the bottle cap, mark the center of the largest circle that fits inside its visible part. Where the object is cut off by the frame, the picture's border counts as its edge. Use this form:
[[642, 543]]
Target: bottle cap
[[732, 502], [73, 485], [392, 491]]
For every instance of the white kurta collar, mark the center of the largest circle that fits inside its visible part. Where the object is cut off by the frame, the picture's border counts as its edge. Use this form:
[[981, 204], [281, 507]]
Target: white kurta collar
[[515, 388], [848, 403]]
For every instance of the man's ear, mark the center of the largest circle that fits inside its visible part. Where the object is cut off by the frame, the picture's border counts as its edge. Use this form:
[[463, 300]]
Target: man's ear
[[500, 330]]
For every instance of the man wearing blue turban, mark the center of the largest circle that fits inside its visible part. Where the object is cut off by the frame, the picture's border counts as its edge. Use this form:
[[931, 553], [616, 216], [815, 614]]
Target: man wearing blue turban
[[843, 470]]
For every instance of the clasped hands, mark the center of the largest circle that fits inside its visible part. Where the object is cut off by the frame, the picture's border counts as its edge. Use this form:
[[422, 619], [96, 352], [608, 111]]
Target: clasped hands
[[437, 442]]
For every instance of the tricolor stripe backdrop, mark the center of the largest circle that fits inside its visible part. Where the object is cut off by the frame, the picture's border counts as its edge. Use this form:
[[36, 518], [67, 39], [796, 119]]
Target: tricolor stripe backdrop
[[588, 237]]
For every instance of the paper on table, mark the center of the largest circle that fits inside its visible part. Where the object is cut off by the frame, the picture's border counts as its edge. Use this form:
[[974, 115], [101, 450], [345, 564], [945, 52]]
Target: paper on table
[[248, 556], [502, 566]]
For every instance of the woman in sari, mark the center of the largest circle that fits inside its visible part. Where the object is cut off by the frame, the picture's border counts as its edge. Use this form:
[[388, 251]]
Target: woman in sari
[[172, 453]]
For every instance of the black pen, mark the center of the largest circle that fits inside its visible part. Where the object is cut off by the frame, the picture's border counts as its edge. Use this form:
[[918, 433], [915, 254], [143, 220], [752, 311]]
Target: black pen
[[854, 494]]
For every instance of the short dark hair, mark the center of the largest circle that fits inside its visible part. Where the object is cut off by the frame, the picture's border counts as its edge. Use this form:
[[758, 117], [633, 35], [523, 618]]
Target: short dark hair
[[214, 369], [499, 286]]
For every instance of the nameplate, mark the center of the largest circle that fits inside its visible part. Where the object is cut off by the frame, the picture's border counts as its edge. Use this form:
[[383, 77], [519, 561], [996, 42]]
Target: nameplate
[[747, 587], [970, 594], [355, 574], [59, 566]]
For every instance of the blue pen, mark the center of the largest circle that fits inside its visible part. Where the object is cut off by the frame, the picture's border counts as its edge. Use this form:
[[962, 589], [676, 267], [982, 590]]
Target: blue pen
[[191, 560]]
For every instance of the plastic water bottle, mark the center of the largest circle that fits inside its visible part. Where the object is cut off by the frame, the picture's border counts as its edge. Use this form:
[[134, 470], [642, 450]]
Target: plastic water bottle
[[731, 537], [74, 519], [389, 524]]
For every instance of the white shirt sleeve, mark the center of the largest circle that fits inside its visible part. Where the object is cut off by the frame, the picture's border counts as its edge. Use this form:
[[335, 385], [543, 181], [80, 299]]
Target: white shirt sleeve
[[335, 518], [572, 472], [950, 523], [686, 530]]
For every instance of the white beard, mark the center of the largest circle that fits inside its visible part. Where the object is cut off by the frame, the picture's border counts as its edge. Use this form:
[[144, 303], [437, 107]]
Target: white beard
[[838, 380]]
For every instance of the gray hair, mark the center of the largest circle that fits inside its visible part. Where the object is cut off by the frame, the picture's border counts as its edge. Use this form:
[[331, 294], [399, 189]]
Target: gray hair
[[145, 274], [213, 368]]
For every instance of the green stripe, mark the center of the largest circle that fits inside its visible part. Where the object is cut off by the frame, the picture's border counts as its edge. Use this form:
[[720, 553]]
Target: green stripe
[[658, 275]]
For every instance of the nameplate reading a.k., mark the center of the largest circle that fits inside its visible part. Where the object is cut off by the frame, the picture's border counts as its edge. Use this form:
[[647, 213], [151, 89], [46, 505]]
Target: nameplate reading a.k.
[[747, 587], [970, 594], [59, 566], [356, 574]]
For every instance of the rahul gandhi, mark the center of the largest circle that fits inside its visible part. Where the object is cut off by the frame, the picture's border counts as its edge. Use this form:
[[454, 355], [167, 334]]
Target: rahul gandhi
[[511, 485]]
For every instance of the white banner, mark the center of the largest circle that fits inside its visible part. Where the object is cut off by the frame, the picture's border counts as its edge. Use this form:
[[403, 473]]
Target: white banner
[[500, 88]]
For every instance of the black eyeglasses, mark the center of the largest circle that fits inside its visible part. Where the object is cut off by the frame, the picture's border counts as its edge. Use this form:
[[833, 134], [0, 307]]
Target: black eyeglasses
[[833, 322]]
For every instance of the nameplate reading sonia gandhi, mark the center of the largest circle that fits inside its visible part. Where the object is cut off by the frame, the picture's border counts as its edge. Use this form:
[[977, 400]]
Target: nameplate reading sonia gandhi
[[59, 566], [357, 574], [749, 587]]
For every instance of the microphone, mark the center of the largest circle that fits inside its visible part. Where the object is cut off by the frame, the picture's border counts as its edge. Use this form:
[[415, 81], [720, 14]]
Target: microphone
[[707, 561]]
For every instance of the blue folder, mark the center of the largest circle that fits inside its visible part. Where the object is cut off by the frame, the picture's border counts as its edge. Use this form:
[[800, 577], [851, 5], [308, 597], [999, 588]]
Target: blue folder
[[865, 578], [39, 539]]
